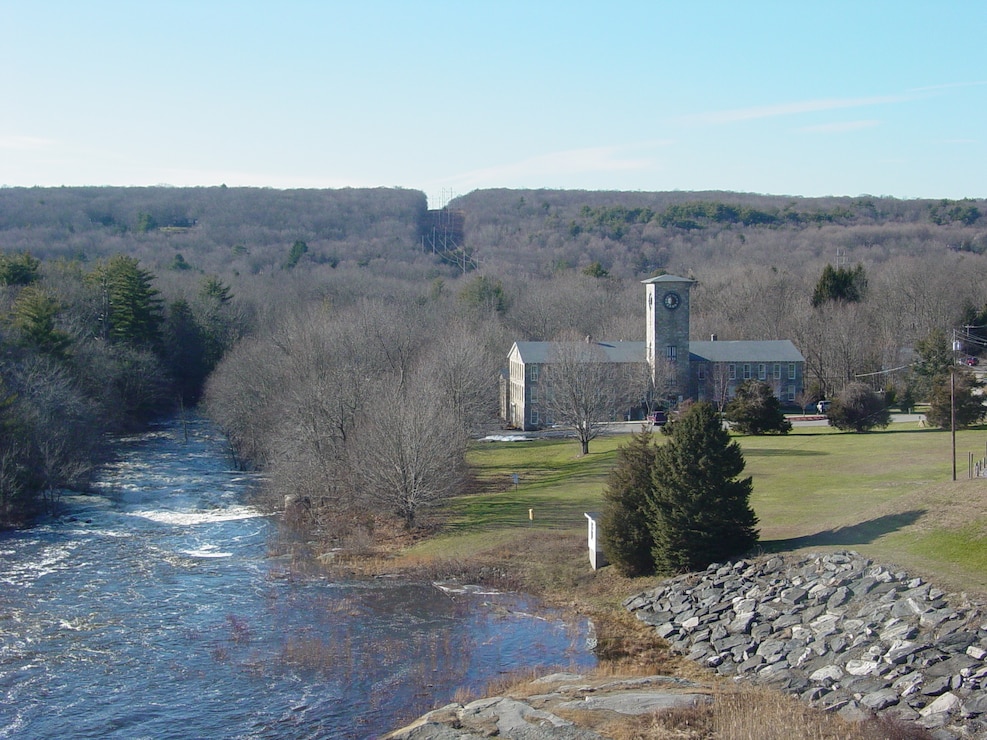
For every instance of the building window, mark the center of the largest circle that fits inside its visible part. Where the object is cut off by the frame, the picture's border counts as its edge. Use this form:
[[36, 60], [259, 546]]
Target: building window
[[791, 392], [762, 372], [534, 417], [747, 371], [533, 373], [733, 371], [534, 394], [777, 371], [701, 371], [672, 353], [791, 371]]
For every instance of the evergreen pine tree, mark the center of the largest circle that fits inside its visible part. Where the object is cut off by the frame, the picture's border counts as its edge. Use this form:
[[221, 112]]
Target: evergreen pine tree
[[756, 410], [699, 511], [34, 315], [963, 401], [624, 530], [130, 307], [858, 408]]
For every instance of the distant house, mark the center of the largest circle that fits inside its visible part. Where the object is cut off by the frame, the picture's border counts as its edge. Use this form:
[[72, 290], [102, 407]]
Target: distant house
[[708, 370], [527, 383], [717, 368]]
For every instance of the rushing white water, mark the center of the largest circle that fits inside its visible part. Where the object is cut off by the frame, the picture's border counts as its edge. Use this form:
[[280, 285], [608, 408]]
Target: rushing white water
[[153, 610]]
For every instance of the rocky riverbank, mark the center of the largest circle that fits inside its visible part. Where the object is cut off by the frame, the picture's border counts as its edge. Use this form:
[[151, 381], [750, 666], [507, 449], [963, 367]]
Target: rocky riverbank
[[843, 633]]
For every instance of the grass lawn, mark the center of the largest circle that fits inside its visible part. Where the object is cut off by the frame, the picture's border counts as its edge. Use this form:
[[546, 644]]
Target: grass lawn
[[887, 494]]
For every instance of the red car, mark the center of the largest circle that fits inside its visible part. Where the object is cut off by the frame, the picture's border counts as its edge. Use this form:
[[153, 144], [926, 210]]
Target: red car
[[658, 418]]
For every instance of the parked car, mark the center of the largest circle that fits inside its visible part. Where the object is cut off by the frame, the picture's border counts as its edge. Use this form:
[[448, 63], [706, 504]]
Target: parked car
[[972, 361], [658, 418]]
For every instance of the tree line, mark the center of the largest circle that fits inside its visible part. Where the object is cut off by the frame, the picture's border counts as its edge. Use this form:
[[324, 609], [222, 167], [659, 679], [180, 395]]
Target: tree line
[[332, 330], [90, 349], [359, 415]]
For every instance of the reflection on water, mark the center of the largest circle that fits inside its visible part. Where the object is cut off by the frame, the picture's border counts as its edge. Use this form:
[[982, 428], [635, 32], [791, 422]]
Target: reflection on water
[[152, 610]]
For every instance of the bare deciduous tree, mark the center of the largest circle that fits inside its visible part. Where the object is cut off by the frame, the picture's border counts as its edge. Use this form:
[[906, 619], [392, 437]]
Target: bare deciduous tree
[[718, 385], [409, 450], [585, 390]]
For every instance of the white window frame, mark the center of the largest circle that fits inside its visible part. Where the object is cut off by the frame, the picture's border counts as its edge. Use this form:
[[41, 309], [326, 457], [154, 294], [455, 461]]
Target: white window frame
[[748, 373], [672, 353], [533, 373], [792, 374], [777, 371], [762, 371], [732, 371]]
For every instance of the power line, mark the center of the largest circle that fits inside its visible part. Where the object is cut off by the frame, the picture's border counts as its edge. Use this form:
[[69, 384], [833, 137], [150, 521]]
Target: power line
[[884, 372]]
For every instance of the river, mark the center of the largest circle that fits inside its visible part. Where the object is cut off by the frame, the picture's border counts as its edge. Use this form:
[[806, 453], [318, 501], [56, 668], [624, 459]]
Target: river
[[153, 609]]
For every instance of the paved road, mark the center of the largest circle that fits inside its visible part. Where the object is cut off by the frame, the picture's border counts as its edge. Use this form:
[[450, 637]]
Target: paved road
[[629, 427]]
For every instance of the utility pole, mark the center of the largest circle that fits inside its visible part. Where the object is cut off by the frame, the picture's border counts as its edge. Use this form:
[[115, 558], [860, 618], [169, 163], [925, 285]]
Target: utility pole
[[952, 400], [952, 412]]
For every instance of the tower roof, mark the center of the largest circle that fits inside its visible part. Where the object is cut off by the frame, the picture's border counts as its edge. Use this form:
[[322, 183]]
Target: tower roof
[[668, 279]]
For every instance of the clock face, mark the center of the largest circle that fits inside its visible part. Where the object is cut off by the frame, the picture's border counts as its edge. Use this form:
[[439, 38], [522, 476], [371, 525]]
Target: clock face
[[671, 300]]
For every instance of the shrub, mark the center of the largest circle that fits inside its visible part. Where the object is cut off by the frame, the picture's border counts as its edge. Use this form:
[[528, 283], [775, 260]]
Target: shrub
[[756, 410], [858, 408], [699, 511], [965, 398], [624, 530]]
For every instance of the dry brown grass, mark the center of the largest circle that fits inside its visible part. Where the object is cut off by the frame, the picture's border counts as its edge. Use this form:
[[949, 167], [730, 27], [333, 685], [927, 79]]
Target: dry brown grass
[[750, 713], [552, 565]]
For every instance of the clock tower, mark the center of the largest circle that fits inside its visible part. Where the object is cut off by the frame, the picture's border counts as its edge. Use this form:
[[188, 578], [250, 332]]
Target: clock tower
[[667, 344]]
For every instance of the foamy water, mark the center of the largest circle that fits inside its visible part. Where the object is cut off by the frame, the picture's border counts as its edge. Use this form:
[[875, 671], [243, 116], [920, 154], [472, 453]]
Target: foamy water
[[154, 610]]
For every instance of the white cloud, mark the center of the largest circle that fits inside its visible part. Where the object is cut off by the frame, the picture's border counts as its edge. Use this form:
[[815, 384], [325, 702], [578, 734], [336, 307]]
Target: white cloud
[[24, 143], [840, 127], [564, 163], [949, 86], [790, 109]]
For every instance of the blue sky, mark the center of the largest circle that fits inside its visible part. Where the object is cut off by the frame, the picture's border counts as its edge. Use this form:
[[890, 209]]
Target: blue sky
[[824, 98]]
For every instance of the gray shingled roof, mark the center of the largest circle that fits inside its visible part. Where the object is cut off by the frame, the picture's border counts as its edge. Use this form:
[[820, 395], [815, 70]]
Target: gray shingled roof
[[771, 350], [542, 352], [668, 279]]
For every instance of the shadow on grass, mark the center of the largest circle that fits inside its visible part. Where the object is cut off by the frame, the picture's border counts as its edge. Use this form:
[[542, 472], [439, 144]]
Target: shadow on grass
[[778, 452], [917, 430], [856, 534]]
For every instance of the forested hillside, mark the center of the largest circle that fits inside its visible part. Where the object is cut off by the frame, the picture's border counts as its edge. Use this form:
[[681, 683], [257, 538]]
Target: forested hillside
[[246, 230], [331, 336], [633, 234]]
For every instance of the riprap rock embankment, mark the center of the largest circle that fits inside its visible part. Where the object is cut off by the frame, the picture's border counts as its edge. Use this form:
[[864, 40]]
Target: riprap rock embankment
[[838, 630]]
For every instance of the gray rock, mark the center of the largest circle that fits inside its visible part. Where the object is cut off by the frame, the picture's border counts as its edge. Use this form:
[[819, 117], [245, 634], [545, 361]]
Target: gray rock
[[898, 630], [862, 635], [935, 686], [840, 597], [861, 667], [948, 702], [854, 712], [741, 624], [666, 630], [879, 700], [643, 702], [976, 652], [793, 595], [900, 651], [434, 731], [827, 673]]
